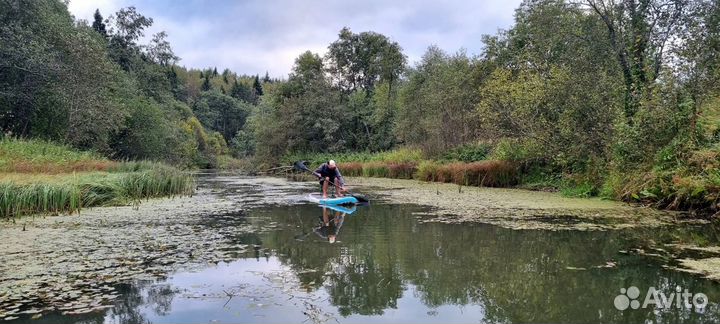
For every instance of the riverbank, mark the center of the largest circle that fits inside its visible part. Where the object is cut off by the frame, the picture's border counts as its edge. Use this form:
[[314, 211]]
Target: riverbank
[[692, 187], [39, 177]]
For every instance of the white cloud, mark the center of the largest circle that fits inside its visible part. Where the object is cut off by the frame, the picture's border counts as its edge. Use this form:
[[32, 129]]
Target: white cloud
[[255, 36], [84, 9]]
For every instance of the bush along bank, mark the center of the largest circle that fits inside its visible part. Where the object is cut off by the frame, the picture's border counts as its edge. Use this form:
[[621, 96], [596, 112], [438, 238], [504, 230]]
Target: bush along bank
[[692, 186], [482, 173]]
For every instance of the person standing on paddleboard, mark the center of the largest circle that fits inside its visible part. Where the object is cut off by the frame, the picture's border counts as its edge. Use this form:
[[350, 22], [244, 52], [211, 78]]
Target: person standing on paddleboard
[[329, 173]]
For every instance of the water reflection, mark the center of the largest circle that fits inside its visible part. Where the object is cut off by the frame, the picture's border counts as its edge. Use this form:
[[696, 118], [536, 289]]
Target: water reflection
[[331, 220], [514, 276], [385, 266]]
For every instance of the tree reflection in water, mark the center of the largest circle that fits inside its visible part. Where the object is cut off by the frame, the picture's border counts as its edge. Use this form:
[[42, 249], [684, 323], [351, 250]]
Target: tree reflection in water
[[386, 261], [514, 275]]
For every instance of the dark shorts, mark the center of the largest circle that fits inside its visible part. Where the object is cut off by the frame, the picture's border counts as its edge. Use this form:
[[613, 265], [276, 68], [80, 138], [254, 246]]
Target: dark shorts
[[332, 180]]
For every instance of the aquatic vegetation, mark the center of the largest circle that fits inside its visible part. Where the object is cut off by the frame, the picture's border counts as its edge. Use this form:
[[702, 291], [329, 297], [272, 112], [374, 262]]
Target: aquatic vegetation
[[483, 173], [60, 272], [43, 177], [47, 265], [401, 170], [707, 267], [513, 208], [375, 169]]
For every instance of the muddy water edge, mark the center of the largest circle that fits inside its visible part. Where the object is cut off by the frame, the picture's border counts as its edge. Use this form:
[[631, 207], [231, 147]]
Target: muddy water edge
[[251, 249]]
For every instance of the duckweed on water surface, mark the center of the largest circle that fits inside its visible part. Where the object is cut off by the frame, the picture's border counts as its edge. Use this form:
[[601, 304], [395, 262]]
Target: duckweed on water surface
[[515, 208], [71, 264]]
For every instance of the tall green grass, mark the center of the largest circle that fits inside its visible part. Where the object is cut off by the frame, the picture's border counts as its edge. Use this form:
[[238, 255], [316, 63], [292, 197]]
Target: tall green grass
[[43, 177], [38, 156], [88, 190], [402, 155], [483, 173], [40, 150]]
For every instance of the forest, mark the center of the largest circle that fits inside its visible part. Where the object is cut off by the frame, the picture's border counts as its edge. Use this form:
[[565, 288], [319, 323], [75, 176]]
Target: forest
[[618, 99]]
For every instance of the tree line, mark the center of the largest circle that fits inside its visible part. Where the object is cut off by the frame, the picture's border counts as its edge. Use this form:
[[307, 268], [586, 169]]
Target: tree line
[[594, 89], [95, 86]]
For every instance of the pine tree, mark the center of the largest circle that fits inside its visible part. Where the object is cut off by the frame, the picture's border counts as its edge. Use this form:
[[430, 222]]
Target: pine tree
[[176, 86], [201, 75], [241, 92], [266, 79], [98, 24], [257, 86], [215, 73], [206, 83]]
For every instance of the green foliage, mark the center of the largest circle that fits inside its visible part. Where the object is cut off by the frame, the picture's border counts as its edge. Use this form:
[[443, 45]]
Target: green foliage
[[257, 87], [530, 94], [146, 132], [468, 152], [439, 88], [358, 61], [513, 150], [241, 91], [400, 155], [98, 24], [582, 190], [206, 83], [201, 148], [243, 144], [96, 87], [375, 169], [221, 113]]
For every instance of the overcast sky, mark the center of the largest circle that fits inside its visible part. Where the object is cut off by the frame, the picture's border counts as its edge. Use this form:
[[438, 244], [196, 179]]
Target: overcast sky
[[254, 36]]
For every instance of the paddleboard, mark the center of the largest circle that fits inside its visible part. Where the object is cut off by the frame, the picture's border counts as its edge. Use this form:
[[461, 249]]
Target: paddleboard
[[347, 200]]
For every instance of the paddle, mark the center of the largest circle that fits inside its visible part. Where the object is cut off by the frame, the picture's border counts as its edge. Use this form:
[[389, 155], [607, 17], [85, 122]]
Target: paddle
[[300, 165]]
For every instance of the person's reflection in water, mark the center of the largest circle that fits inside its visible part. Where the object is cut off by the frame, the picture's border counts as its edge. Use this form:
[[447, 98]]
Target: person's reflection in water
[[330, 223]]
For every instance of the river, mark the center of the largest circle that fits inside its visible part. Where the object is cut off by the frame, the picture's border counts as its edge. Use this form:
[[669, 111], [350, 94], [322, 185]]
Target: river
[[246, 250]]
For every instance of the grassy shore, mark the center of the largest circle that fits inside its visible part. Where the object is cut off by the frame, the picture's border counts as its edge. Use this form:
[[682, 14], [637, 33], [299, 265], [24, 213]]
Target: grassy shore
[[43, 177], [412, 164], [693, 187]]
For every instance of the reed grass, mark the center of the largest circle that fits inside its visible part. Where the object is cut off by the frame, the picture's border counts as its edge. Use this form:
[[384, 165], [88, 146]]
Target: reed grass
[[408, 163], [351, 169], [401, 170], [376, 169], [89, 190], [38, 156], [43, 177], [483, 173]]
